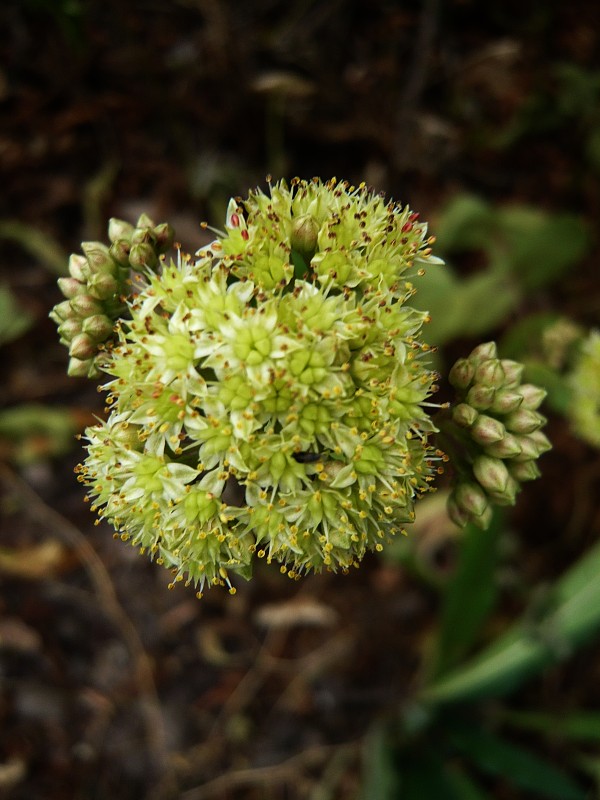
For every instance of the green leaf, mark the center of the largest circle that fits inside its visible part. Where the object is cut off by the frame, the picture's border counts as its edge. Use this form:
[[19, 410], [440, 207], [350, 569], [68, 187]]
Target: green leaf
[[470, 594], [485, 300], [466, 223], [579, 726], [541, 247], [380, 772], [42, 247], [521, 767], [572, 618], [14, 322]]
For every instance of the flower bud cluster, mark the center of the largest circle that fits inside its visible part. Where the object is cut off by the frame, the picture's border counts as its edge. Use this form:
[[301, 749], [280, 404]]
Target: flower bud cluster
[[267, 396], [96, 287], [497, 421]]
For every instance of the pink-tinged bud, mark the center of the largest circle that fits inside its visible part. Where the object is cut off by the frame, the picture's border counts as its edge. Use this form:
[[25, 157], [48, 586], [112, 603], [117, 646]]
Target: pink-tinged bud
[[533, 396], [165, 236], [142, 256], [464, 415], [491, 473], [461, 373], [508, 496], [82, 347], [524, 470], [79, 267], [541, 442], [487, 430], [456, 513], [71, 287], [524, 421], [84, 305], [119, 251], [490, 373], [483, 352], [119, 229], [98, 327], [513, 372], [480, 397], [508, 447], [99, 258], [80, 369], [505, 401], [144, 221], [143, 236], [304, 236], [62, 311], [70, 328], [103, 286], [471, 498]]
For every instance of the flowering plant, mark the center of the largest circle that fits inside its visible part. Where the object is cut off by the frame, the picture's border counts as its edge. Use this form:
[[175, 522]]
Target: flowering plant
[[269, 396]]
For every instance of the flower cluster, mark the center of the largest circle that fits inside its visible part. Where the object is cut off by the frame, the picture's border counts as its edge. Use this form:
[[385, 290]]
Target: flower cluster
[[96, 287], [268, 395], [496, 435]]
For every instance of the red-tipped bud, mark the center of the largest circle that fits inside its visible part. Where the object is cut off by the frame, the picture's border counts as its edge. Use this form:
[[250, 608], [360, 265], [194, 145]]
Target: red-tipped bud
[[165, 236]]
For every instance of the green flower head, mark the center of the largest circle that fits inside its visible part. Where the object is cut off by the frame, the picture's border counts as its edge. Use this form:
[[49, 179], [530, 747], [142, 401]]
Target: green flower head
[[268, 396]]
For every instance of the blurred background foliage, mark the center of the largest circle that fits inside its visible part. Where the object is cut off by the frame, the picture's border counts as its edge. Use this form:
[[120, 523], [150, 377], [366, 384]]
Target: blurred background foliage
[[456, 665]]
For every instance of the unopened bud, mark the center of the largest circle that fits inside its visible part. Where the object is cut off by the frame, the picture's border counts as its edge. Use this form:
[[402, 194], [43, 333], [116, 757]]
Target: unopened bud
[[483, 352], [490, 373], [119, 229], [461, 373], [82, 347], [79, 267], [533, 396], [507, 447], [142, 256], [524, 470], [143, 236], [480, 397], [505, 401], [62, 311], [120, 252], [80, 368], [491, 473], [70, 328], [71, 287], [464, 415], [457, 514], [471, 498], [513, 372], [84, 305], [98, 327], [165, 236], [127, 435], [304, 236], [524, 421], [508, 495], [487, 430], [144, 221], [99, 258], [103, 286]]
